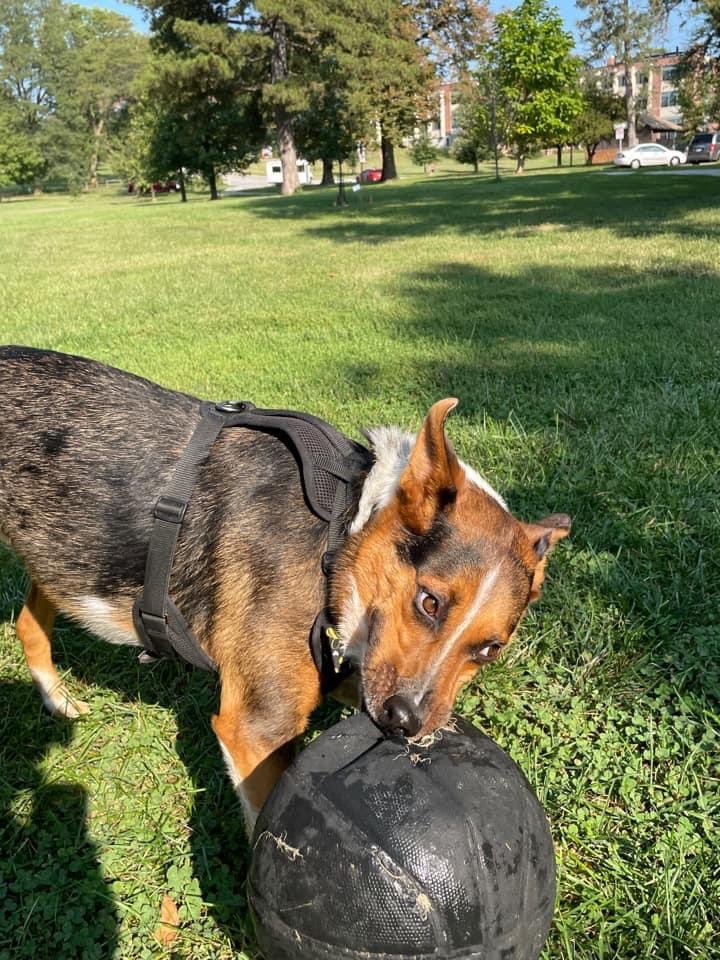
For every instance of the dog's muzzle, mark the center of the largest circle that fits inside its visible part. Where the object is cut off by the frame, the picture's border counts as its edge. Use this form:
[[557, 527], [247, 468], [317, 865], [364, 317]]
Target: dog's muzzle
[[400, 715]]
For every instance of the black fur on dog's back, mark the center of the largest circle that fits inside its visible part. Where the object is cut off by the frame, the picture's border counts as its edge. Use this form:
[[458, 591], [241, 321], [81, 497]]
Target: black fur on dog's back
[[85, 450]]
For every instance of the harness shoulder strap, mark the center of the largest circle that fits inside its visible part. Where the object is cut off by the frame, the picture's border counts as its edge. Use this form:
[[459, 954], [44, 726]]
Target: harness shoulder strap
[[328, 460]]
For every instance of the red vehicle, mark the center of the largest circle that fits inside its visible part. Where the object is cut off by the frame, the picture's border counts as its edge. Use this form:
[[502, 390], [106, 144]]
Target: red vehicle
[[168, 186], [373, 175]]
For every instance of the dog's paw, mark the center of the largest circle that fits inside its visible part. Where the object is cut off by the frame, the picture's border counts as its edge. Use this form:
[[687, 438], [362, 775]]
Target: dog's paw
[[64, 705], [57, 699]]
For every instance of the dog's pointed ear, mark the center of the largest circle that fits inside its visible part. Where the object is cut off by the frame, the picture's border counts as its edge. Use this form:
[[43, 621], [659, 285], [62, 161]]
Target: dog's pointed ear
[[543, 536], [433, 474]]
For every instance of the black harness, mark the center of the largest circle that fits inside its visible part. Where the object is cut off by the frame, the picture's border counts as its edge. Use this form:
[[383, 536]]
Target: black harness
[[328, 464]]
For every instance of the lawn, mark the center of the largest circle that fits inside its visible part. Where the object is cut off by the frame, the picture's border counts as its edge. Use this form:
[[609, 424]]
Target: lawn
[[576, 315]]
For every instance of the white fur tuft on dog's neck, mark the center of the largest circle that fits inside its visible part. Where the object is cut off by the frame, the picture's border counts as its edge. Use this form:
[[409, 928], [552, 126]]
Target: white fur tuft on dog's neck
[[392, 448]]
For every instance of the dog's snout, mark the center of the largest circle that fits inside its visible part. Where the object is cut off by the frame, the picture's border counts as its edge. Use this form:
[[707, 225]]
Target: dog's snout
[[400, 715]]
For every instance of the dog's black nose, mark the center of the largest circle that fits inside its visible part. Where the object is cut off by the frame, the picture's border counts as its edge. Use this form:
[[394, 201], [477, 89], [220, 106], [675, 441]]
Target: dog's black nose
[[399, 716]]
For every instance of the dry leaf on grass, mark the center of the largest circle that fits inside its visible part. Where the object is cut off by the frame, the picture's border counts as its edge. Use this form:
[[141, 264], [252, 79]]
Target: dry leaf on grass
[[167, 929]]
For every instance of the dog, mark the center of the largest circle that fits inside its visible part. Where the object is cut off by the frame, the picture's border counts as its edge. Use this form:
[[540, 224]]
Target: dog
[[431, 581]]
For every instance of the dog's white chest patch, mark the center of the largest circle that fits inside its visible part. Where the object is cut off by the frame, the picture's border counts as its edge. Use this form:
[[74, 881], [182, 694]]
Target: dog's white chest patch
[[102, 618]]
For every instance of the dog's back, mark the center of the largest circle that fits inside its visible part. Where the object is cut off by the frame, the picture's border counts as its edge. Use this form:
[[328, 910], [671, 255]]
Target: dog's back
[[86, 449], [79, 451]]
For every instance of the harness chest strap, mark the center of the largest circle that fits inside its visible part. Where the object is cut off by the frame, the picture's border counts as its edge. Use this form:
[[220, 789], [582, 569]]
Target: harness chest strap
[[328, 462]]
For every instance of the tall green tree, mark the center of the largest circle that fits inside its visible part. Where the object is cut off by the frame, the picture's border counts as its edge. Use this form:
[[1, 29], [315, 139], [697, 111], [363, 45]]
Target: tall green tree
[[279, 50], [625, 29], [67, 70], [536, 75], [427, 40], [336, 119], [105, 56], [20, 159], [699, 87]]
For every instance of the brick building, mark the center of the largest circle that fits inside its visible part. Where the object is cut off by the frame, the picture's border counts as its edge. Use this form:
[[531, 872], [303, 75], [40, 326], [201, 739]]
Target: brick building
[[656, 86], [442, 129]]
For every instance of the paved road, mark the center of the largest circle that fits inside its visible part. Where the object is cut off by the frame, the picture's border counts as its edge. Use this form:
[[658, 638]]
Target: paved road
[[702, 171], [237, 183]]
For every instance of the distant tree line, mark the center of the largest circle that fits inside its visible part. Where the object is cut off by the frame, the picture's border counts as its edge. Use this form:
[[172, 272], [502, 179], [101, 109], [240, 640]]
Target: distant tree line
[[216, 80]]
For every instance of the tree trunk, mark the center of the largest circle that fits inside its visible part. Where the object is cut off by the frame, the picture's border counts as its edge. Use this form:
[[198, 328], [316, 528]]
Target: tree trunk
[[630, 109], [559, 154], [520, 168], [183, 191], [389, 170], [97, 134], [279, 72], [590, 153], [212, 182], [476, 164], [327, 178]]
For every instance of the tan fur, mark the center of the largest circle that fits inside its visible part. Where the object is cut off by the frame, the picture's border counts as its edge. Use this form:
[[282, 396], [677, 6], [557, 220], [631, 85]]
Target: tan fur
[[34, 628], [410, 659]]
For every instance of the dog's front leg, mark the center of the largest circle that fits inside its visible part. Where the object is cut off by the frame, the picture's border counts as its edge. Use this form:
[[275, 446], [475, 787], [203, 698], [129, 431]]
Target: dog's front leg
[[257, 735]]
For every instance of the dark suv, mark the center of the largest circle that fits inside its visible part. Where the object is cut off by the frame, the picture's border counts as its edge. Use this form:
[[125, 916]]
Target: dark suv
[[704, 148]]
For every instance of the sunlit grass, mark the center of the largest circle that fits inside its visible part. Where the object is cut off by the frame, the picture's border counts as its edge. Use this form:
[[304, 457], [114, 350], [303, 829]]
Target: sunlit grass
[[575, 315]]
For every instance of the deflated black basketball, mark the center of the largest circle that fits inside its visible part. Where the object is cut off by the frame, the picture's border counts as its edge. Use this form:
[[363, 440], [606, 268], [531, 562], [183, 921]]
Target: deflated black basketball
[[374, 848]]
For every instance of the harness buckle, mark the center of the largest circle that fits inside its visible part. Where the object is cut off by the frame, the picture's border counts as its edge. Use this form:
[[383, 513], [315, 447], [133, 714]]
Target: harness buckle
[[234, 406], [170, 509]]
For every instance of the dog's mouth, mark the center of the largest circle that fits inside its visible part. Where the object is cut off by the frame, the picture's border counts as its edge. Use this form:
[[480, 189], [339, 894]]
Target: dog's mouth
[[396, 708]]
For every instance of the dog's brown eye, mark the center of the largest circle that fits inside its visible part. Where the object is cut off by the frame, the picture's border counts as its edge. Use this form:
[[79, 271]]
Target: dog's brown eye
[[428, 604], [482, 653]]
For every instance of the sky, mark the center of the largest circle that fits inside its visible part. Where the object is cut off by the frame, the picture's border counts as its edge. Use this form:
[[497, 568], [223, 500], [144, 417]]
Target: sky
[[676, 36]]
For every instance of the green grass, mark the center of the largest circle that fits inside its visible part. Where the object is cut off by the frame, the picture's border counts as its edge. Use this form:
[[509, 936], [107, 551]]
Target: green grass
[[575, 314]]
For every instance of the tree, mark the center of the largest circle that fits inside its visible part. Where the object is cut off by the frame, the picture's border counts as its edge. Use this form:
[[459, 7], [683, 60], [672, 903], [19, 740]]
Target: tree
[[279, 49], [192, 112], [699, 86], [537, 76], [474, 118], [423, 151], [105, 56], [20, 159], [427, 39], [600, 110], [335, 120], [66, 70], [625, 29]]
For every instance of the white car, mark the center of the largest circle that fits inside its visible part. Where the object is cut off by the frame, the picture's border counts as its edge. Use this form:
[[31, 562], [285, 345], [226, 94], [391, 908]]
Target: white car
[[649, 155]]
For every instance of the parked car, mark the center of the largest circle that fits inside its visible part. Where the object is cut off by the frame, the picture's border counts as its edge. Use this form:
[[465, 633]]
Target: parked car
[[371, 175], [649, 155], [704, 148], [167, 186]]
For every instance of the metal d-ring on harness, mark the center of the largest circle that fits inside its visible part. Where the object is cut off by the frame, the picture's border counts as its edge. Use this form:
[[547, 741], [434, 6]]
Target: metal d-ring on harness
[[328, 463]]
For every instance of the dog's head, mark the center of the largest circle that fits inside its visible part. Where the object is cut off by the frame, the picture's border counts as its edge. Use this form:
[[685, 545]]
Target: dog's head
[[436, 576]]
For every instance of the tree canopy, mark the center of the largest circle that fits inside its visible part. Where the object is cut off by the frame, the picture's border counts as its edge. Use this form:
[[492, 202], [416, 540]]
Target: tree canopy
[[536, 76], [626, 29]]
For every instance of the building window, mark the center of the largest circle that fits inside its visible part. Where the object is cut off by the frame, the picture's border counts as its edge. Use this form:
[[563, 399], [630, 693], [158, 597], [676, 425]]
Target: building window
[[641, 79], [669, 99], [669, 74], [621, 80]]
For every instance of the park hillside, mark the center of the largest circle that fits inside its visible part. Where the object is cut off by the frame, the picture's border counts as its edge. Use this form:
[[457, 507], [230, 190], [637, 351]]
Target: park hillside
[[574, 313], [210, 87]]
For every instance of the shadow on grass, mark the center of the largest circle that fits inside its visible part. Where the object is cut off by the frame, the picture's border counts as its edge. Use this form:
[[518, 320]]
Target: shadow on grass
[[633, 206], [604, 383], [54, 901]]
